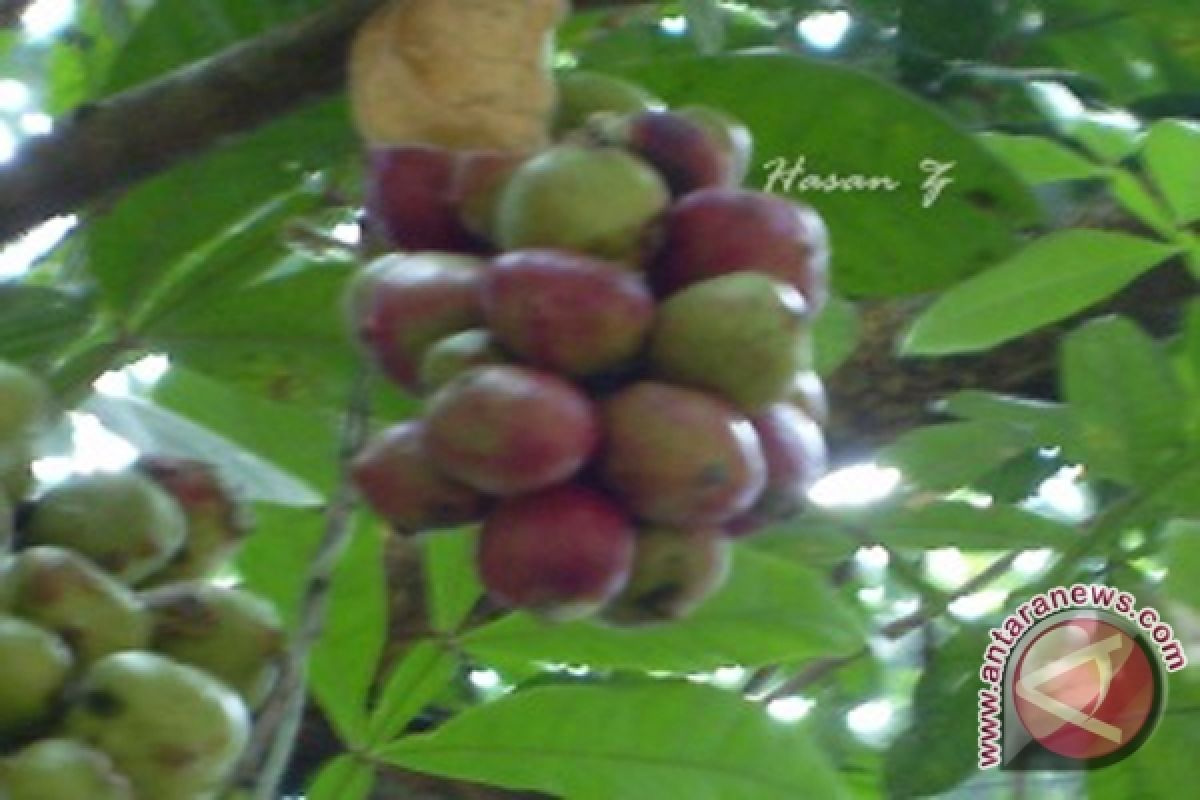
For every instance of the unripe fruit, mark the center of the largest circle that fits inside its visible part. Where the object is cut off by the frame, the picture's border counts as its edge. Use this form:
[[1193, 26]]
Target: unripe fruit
[[570, 314], [455, 354], [679, 457], [398, 480], [412, 199], [482, 177], [175, 732], [230, 634], [123, 522], [24, 402], [732, 137], [64, 593], [796, 457], [400, 305], [743, 336], [510, 430], [562, 552], [34, 665], [673, 573], [61, 769], [582, 94], [599, 201], [712, 232], [217, 521], [683, 151], [16, 468]]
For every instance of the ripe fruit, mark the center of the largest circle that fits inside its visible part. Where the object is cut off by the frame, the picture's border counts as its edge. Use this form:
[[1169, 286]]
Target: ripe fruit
[[397, 478], [734, 139], [582, 94], [216, 521], [742, 336], [508, 430], [230, 634], [680, 457], [412, 199], [562, 552], [796, 458], [400, 305], [452, 356], [567, 313], [62, 592], [673, 573], [712, 232], [598, 201], [34, 665], [123, 522], [61, 769], [682, 150], [24, 402], [175, 732]]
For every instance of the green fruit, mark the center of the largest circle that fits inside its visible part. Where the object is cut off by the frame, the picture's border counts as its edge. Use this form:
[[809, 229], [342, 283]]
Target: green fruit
[[743, 336], [175, 732], [123, 522], [599, 201], [64, 593], [582, 94], [16, 468], [673, 573], [34, 665], [24, 402], [457, 353], [60, 769], [230, 634]]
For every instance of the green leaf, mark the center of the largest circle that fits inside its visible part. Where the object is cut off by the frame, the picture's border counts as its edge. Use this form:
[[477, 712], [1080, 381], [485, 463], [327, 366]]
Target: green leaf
[[1128, 405], [1044, 422], [706, 22], [1183, 562], [1132, 194], [1171, 153], [953, 454], [884, 242], [835, 334], [598, 743], [36, 322], [345, 661], [343, 778], [1054, 277], [961, 525], [274, 561], [770, 611], [421, 675], [453, 585], [1040, 160]]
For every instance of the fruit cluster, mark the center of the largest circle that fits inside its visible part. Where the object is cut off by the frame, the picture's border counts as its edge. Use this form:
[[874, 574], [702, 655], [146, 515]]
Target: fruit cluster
[[124, 673], [614, 344]]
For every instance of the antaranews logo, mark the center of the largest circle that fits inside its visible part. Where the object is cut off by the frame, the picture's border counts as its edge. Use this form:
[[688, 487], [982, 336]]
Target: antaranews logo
[[1073, 679]]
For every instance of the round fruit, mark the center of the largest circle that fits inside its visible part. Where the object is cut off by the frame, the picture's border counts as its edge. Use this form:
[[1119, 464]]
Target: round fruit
[[217, 521], [567, 313], [582, 94], [682, 150], [452, 356], [24, 402], [808, 395], [64, 593], [509, 430], [796, 457], [34, 665], [742, 336], [61, 769], [712, 232], [123, 522], [599, 201], [412, 200], [229, 634], [482, 175], [680, 457], [400, 483], [673, 573], [400, 305], [732, 137], [175, 732], [16, 468], [562, 553]]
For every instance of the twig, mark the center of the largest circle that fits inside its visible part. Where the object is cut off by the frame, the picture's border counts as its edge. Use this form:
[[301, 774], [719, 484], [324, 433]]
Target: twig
[[270, 749]]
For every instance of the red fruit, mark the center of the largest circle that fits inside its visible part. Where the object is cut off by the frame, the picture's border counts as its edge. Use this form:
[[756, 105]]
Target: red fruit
[[482, 175], [712, 232], [400, 305], [680, 457], [509, 430], [412, 199], [563, 552], [796, 458], [568, 313], [681, 149], [398, 480]]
